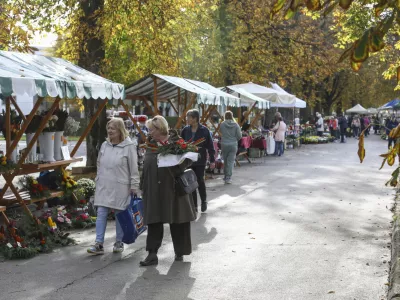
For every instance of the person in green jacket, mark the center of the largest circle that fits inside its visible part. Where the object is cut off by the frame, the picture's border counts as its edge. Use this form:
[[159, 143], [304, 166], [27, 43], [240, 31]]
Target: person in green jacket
[[231, 134]]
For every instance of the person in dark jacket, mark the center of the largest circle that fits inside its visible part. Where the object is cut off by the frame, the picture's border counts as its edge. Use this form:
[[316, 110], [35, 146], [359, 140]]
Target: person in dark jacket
[[193, 132], [390, 124], [162, 205], [343, 128]]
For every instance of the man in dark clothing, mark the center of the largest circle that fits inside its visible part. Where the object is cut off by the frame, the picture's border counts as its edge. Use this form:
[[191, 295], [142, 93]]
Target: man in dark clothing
[[193, 132], [390, 124], [343, 128]]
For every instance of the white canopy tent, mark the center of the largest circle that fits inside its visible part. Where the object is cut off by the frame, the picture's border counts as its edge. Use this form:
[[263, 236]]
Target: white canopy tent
[[248, 99], [358, 109], [298, 103], [267, 93], [372, 110]]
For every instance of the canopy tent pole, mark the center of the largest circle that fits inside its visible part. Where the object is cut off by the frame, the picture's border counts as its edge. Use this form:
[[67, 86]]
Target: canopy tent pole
[[24, 127], [246, 116], [21, 114], [173, 107], [256, 118], [8, 123], [89, 127], [155, 95], [180, 119], [132, 119]]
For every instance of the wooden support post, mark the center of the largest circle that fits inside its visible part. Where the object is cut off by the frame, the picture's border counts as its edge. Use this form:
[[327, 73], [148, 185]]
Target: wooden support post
[[132, 119], [239, 112], [26, 124], [149, 107], [8, 122], [39, 131], [89, 127], [192, 102], [15, 191], [209, 111], [247, 114], [21, 114], [173, 106], [257, 117], [186, 95], [155, 95]]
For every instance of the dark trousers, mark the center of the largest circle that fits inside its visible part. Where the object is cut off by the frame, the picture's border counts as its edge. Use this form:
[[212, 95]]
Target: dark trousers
[[199, 171], [180, 234], [342, 136]]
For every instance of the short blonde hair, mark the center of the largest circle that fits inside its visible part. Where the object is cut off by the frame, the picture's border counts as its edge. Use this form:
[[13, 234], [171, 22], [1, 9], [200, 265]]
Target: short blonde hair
[[120, 125], [159, 123], [229, 115]]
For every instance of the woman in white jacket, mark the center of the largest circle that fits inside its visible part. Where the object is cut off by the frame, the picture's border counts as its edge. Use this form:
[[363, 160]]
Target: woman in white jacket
[[117, 178], [320, 125]]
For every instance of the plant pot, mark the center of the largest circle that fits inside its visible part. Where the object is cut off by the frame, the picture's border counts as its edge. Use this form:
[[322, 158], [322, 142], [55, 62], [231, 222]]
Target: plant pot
[[14, 153], [46, 141], [32, 154], [58, 143]]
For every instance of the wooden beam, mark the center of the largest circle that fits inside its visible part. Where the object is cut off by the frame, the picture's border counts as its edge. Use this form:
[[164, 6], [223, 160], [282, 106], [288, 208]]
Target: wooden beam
[[247, 114], [21, 114], [186, 96], [173, 106], [257, 117], [8, 122], [239, 112], [209, 111], [89, 127], [39, 131], [192, 102], [149, 107], [23, 129], [155, 95], [132, 119]]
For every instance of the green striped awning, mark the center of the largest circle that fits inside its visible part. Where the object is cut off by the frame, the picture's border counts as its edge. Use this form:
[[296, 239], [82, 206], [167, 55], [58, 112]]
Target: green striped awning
[[36, 75]]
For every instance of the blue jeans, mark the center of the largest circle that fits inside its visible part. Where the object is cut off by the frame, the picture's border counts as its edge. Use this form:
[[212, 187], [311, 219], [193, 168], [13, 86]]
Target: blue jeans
[[279, 148], [101, 224]]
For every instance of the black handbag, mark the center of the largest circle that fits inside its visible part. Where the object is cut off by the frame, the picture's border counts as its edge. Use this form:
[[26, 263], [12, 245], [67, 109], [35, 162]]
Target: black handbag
[[186, 183]]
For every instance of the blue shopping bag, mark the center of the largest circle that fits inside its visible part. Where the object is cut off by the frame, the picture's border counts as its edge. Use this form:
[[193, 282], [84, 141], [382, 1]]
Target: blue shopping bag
[[131, 220]]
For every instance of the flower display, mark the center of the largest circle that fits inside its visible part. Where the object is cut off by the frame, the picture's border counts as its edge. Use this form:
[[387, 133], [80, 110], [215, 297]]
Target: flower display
[[62, 116], [71, 127], [51, 123], [177, 148], [67, 181], [35, 189], [140, 118]]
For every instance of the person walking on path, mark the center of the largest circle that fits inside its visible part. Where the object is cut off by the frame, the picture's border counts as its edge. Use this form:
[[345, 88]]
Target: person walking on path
[[231, 134], [356, 124], [162, 204], [193, 132], [343, 128], [280, 131], [320, 125], [117, 178], [390, 124]]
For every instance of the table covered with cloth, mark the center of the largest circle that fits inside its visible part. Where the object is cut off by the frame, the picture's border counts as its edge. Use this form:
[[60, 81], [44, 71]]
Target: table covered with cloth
[[249, 142]]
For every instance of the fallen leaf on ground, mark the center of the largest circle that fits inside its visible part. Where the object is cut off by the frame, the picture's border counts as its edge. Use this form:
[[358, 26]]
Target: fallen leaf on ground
[[331, 292]]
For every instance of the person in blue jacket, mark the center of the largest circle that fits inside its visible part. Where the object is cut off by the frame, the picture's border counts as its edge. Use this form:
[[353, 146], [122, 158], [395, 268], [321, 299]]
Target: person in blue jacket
[[193, 132]]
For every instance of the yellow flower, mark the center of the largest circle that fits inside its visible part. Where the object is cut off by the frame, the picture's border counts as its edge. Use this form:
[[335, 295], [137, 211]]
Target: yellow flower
[[35, 182], [3, 163], [69, 186], [4, 158]]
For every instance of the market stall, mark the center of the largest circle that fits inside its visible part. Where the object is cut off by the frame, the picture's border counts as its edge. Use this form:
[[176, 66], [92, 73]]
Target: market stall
[[357, 109], [182, 94], [51, 78]]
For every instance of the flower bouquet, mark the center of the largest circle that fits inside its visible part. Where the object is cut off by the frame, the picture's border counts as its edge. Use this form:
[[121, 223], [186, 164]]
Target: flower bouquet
[[174, 153], [34, 124], [51, 123], [62, 116], [35, 189], [67, 182]]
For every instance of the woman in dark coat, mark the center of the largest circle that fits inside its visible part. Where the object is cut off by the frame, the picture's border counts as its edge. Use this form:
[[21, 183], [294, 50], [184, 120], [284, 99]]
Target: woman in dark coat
[[161, 202]]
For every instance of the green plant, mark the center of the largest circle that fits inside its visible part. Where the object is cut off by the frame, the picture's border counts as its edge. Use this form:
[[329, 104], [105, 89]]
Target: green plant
[[85, 188]]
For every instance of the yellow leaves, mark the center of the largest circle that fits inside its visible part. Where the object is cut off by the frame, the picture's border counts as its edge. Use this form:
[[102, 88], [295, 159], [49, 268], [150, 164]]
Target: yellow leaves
[[361, 149], [390, 156], [395, 133]]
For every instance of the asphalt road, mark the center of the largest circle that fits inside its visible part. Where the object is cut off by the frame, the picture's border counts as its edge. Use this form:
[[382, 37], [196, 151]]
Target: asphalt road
[[313, 224]]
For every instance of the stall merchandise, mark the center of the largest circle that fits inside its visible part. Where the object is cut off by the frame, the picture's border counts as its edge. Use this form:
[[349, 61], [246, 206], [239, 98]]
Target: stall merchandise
[[39, 76]]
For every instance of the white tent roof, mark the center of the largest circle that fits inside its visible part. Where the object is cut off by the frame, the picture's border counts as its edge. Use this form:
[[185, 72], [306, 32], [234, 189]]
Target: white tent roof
[[358, 109], [372, 110], [246, 98], [267, 93], [298, 104]]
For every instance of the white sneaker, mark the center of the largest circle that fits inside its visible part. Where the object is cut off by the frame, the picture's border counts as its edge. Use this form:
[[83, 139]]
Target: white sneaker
[[228, 181]]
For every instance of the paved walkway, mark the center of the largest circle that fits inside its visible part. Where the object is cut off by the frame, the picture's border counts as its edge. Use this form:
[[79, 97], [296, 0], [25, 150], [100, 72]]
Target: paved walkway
[[311, 225]]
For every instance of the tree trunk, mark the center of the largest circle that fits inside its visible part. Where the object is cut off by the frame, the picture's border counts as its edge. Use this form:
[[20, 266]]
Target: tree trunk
[[91, 55]]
